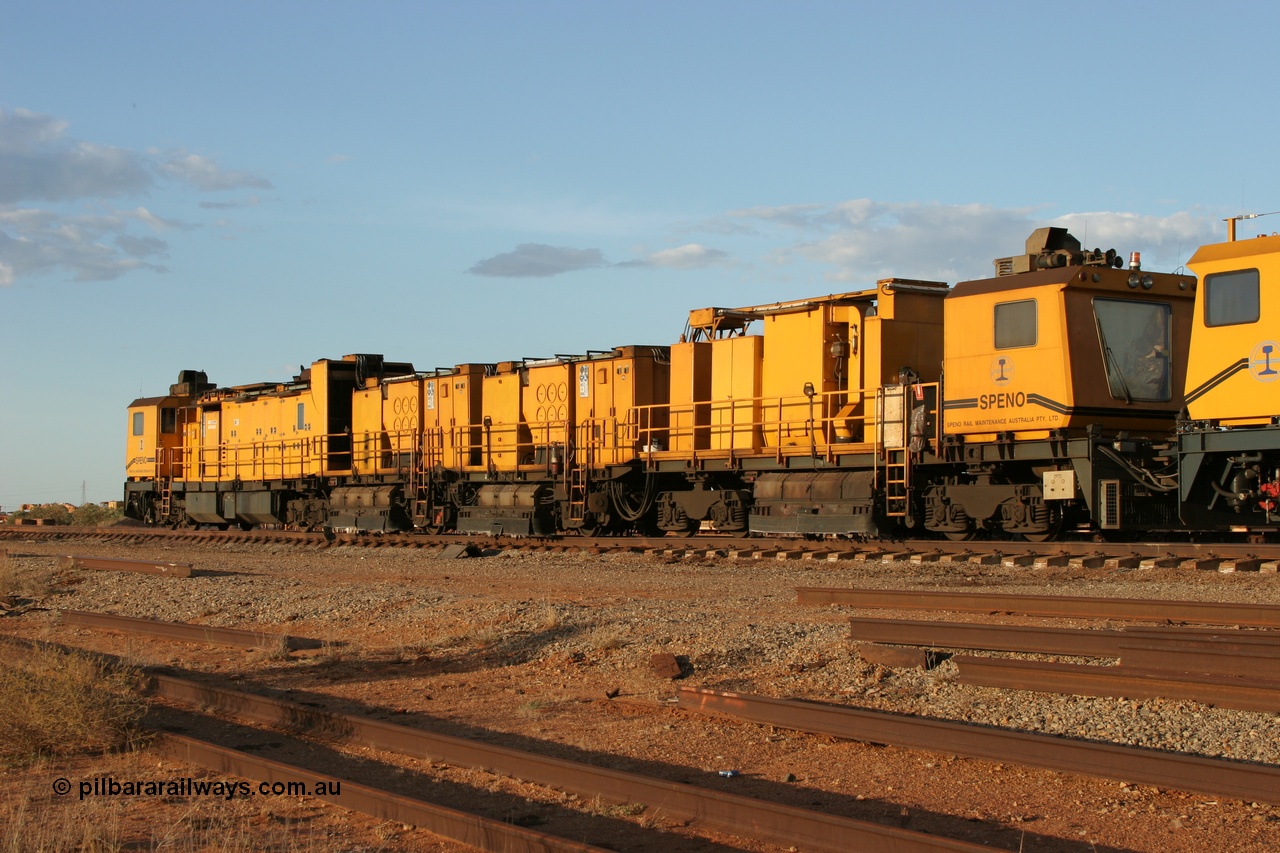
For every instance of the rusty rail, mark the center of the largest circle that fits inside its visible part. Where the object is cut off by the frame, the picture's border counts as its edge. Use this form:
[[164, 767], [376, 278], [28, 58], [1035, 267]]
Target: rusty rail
[[1222, 651], [480, 832], [1006, 674], [1248, 782], [112, 564], [1221, 555], [1258, 662], [726, 812], [1218, 638], [975, 635], [1071, 607], [185, 631]]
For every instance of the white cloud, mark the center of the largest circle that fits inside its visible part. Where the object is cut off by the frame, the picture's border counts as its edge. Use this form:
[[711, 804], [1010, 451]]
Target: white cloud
[[94, 247], [40, 162], [141, 214], [250, 201], [1165, 241], [538, 260], [863, 240], [205, 174], [687, 257]]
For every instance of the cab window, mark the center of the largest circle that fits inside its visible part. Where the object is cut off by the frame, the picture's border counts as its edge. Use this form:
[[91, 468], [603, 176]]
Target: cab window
[[1231, 298], [1135, 340], [168, 421], [139, 420], [1016, 324]]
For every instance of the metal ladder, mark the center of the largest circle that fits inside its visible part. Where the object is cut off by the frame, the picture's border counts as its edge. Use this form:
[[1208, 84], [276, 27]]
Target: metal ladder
[[894, 414], [576, 473], [165, 486], [577, 493], [897, 474]]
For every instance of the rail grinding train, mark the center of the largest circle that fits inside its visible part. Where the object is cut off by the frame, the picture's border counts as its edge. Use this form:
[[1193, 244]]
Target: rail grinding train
[[1065, 395]]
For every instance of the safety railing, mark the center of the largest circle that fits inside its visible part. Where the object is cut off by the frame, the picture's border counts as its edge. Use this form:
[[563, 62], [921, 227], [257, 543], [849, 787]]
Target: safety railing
[[822, 425]]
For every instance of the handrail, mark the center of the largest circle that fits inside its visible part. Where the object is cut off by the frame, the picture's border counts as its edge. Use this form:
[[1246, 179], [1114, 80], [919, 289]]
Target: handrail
[[782, 426]]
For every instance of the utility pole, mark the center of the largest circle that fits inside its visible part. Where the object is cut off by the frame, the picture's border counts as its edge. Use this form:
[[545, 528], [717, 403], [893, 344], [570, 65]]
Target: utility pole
[[82, 486]]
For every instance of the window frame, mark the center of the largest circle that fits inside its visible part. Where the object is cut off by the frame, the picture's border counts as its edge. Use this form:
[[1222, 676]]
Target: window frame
[[1019, 342], [1112, 362], [1210, 285]]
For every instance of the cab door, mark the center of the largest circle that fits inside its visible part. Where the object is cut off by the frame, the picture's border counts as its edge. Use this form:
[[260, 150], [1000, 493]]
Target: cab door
[[211, 444]]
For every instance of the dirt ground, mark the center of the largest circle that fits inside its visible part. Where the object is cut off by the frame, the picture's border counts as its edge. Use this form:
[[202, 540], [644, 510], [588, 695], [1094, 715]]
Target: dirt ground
[[551, 653]]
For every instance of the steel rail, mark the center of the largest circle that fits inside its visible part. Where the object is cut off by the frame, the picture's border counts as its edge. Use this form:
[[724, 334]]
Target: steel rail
[[1247, 782], [1218, 638], [1239, 556], [111, 564], [1072, 607], [184, 631], [999, 638], [1260, 662], [1121, 681], [730, 813], [1233, 652], [475, 830]]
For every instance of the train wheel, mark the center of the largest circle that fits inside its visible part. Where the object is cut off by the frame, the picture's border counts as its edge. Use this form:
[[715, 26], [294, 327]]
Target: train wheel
[[690, 530], [960, 535], [1050, 532]]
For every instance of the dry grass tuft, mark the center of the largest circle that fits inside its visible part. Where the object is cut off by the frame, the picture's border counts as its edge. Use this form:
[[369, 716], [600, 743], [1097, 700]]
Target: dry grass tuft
[[335, 652], [597, 806], [65, 703], [30, 820], [608, 638], [34, 822], [275, 648], [550, 619], [23, 583]]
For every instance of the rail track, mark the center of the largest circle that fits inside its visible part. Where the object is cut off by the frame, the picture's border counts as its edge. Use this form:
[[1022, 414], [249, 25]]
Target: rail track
[[715, 811], [1151, 767], [433, 573], [1219, 556], [1228, 667], [711, 810], [725, 812], [471, 829]]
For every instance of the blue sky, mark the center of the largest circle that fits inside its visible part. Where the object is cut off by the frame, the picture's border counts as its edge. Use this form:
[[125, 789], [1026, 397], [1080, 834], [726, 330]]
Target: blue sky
[[245, 187]]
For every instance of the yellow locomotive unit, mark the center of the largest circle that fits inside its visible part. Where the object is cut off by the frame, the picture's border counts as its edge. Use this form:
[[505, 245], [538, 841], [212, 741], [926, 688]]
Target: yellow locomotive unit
[[1059, 394], [1229, 442], [1060, 339], [1065, 394]]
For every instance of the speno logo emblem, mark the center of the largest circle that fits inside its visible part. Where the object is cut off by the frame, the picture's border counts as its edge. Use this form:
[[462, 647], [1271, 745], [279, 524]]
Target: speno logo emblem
[[1264, 361], [1002, 370]]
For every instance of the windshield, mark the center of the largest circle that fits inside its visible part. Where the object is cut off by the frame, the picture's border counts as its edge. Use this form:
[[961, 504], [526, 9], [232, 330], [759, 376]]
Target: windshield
[[1135, 348]]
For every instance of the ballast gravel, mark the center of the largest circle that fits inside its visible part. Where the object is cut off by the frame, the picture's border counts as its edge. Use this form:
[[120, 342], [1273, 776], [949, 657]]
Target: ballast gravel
[[531, 643]]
